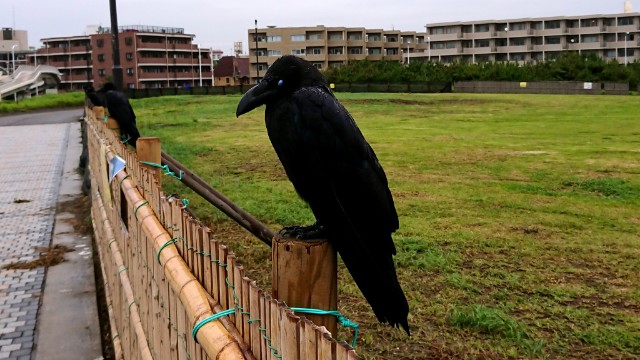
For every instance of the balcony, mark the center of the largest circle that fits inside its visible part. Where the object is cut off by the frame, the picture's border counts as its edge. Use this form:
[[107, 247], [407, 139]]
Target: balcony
[[152, 61]]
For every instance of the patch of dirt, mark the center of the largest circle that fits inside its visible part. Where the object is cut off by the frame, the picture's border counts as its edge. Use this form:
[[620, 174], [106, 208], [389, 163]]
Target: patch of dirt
[[80, 208], [48, 257]]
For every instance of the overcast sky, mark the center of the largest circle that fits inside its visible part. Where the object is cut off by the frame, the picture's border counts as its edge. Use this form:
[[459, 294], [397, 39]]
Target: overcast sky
[[218, 23]]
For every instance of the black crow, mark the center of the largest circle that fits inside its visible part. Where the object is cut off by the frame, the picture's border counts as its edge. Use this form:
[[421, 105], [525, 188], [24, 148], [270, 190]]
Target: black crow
[[333, 169], [97, 99], [119, 108]]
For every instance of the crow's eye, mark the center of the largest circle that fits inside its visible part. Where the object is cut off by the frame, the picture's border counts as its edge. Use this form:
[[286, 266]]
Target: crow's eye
[[280, 82]]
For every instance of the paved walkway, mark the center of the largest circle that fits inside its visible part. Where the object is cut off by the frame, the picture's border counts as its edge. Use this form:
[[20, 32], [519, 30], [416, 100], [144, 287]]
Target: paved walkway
[[32, 160]]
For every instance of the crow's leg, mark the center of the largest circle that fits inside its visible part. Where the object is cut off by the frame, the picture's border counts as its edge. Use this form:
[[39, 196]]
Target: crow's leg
[[311, 232]]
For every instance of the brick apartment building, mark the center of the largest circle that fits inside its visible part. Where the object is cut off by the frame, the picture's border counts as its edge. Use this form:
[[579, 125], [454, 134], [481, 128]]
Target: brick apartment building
[[150, 57]]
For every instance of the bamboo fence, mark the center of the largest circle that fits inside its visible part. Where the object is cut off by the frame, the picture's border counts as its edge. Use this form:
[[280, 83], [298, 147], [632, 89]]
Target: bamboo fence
[[166, 276]]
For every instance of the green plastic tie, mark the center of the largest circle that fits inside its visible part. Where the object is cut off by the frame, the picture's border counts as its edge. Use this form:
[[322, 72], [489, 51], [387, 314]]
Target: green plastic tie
[[172, 241], [343, 320], [208, 320], [166, 169], [135, 212], [128, 175], [185, 203]]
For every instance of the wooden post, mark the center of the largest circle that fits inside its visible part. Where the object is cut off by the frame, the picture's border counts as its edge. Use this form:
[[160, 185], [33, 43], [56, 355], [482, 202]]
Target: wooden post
[[305, 274], [98, 111], [148, 149]]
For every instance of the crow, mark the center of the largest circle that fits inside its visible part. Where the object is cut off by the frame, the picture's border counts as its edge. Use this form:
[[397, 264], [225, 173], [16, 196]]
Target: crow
[[333, 168], [120, 109], [97, 99]]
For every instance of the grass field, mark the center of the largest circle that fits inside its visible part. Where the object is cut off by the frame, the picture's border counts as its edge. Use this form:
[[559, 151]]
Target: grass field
[[49, 101], [519, 215]]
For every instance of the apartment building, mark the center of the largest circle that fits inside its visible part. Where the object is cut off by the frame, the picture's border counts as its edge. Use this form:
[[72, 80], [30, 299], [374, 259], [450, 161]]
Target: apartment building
[[150, 57], [326, 47], [615, 36], [14, 49]]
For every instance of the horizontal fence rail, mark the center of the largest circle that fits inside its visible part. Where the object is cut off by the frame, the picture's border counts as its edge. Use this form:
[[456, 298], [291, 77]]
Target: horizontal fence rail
[[175, 292]]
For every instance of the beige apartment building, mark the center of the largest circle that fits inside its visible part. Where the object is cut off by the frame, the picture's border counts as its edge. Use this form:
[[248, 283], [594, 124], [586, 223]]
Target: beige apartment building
[[614, 36], [326, 47]]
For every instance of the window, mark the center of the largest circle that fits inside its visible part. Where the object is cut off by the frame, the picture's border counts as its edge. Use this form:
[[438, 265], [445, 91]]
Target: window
[[336, 50], [536, 41], [274, 38], [260, 52], [262, 67], [392, 38], [518, 26], [589, 38], [314, 37], [102, 72], [482, 43], [480, 28], [537, 25], [623, 53], [131, 85], [610, 53], [625, 21], [610, 37], [392, 51], [501, 42], [572, 24], [297, 37], [609, 22], [375, 51], [335, 64], [335, 36], [555, 24], [129, 56], [517, 56], [318, 66], [517, 41], [552, 40], [130, 71], [354, 36], [274, 53], [315, 51], [100, 43], [128, 41], [101, 57], [589, 22], [355, 50], [537, 56], [374, 37], [298, 52]]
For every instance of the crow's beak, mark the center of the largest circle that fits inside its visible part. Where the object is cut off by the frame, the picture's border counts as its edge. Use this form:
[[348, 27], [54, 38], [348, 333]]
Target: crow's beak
[[256, 96]]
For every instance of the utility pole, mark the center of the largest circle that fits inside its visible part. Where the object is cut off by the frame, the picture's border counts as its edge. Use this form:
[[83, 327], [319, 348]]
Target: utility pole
[[115, 44], [257, 66]]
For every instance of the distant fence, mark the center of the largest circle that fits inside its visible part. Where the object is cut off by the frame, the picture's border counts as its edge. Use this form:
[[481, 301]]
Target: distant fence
[[166, 276], [494, 87], [542, 87], [194, 90]]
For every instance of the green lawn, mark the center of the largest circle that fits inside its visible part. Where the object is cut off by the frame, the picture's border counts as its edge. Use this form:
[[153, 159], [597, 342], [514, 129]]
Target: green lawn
[[43, 102], [519, 214]]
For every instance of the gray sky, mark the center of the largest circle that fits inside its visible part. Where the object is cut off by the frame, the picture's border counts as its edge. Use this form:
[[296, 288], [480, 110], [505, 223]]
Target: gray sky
[[219, 23]]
